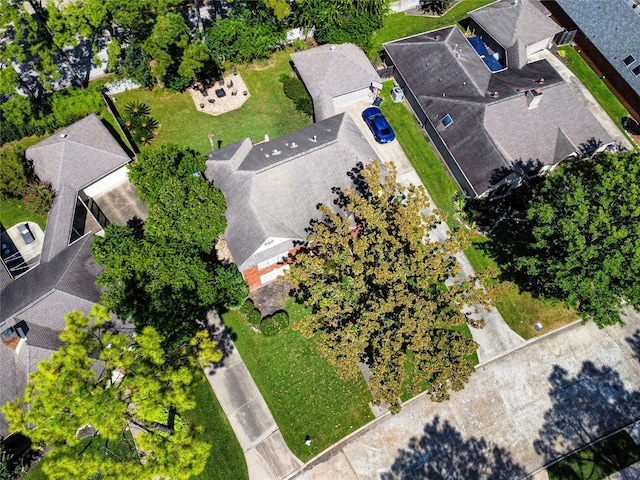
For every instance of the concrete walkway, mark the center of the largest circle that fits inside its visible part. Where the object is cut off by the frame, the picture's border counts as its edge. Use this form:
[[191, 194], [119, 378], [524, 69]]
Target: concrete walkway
[[267, 455], [518, 413]]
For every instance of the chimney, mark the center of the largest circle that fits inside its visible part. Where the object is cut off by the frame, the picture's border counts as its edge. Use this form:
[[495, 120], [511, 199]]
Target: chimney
[[533, 97]]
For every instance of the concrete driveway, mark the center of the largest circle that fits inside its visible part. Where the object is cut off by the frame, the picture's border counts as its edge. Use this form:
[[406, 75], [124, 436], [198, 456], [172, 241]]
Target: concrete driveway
[[518, 413]]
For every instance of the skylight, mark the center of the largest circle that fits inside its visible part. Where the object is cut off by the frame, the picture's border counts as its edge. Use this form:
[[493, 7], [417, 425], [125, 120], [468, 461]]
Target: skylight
[[447, 120], [628, 60], [636, 71]]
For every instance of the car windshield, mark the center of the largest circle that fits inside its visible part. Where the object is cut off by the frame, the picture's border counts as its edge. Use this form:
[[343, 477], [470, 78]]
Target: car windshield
[[377, 115]]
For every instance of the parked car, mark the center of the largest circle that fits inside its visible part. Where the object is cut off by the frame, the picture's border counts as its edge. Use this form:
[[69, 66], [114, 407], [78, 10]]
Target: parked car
[[378, 124], [27, 236]]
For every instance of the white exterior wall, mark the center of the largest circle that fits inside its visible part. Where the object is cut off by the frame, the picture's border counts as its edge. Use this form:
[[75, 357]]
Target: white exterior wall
[[112, 180], [347, 99], [536, 47], [403, 5]]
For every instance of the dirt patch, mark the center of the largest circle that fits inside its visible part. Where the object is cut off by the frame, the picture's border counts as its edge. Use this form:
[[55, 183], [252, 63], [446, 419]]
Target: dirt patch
[[222, 96], [272, 297]]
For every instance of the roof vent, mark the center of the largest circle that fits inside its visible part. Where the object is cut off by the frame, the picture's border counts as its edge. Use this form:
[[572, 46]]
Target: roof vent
[[63, 135], [314, 138], [276, 152], [332, 48], [494, 94], [438, 37], [294, 144], [533, 97]]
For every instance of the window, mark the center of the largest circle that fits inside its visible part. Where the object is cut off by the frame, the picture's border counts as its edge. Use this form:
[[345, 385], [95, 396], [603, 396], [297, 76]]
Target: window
[[628, 60], [636, 71], [447, 120]]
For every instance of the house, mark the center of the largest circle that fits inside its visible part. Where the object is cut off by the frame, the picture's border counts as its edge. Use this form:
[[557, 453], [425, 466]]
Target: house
[[607, 32], [273, 189], [82, 162], [336, 76], [514, 29], [491, 123]]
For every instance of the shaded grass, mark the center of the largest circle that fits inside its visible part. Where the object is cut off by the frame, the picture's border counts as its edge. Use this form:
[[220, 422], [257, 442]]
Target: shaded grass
[[267, 111], [595, 85], [400, 25], [431, 171], [304, 393], [519, 309], [599, 460], [226, 459], [12, 211]]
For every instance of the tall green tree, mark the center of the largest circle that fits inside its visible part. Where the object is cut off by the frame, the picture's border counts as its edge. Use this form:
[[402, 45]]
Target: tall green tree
[[583, 240], [106, 383], [381, 291], [164, 272]]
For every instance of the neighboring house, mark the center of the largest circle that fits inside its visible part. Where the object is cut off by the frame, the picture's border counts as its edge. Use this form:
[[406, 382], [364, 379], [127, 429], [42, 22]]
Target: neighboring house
[[77, 159], [608, 32], [273, 189], [336, 76], [492, 125], [514, 29]]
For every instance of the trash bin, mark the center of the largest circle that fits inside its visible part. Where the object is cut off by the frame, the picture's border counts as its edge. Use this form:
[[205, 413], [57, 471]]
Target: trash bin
[[378, 101]]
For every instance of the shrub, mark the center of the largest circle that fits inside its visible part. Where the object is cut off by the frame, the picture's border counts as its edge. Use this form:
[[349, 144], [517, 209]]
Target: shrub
[[13, 172], [38, 197], [271, 325], [246, 307], [295, 90], [254, 317]]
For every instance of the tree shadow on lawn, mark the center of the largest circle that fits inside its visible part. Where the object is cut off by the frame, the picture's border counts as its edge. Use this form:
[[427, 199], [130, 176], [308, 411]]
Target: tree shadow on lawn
[[585, 408], [442, 453]]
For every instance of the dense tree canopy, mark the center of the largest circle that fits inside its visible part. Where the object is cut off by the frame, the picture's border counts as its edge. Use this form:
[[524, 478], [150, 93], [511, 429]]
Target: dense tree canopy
[[104, 383], [377, 291], [164, 272], [583, 235]]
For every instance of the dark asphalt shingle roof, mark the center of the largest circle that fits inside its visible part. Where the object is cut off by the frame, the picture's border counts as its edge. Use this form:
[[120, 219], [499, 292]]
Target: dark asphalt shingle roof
[[491, 133], [275, 196], [73, 158], [613, 26]]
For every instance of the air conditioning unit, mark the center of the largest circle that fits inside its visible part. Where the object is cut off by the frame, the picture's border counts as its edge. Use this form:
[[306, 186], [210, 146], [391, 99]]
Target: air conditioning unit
[[397, 94]]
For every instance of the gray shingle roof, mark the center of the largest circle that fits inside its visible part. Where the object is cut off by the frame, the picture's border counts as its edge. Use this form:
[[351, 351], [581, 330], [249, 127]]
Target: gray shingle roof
[[612, 26], [276, 195], [73, 158], [329, 71], [491, 133], [509, 22]]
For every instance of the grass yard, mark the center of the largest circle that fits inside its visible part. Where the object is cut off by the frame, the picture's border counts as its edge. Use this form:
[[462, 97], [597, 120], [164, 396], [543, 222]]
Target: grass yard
[[268, 110], [12, 211], [520, 309], [433, 174], [599, 460], [304, 393], [595, 85], [226, 459], [400, 25]]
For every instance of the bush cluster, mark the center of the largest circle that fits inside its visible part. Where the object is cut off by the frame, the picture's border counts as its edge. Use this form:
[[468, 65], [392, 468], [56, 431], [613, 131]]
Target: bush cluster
[[295, 90], [271, 325]]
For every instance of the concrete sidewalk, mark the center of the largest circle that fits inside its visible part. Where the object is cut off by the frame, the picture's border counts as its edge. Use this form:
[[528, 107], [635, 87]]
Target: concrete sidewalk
[[267, 455], [518, 413]]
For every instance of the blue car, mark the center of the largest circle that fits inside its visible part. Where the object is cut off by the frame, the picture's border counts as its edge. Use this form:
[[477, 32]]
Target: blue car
[[381, 129]]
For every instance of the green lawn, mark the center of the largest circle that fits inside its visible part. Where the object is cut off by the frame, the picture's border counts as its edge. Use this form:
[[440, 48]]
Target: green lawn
[[400, 25], [304, 393], [433, 174], [599, 460], [267, 111], [12, 211], [595, 85], [226, 459]]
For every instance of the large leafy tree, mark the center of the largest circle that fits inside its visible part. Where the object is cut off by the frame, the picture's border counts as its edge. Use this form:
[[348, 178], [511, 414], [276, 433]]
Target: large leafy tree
[[382, 292], [103, 383], [583, 235], [164, 272]]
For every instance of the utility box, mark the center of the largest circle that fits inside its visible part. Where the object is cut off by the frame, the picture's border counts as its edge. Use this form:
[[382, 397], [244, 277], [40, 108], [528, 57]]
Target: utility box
[[397, 94]]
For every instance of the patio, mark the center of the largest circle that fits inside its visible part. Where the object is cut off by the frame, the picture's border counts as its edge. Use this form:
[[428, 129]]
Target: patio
[[224, 95]]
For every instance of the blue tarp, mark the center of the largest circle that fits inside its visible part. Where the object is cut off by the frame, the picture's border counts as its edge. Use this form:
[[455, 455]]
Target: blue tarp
[[479, 46], [493, 64]]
